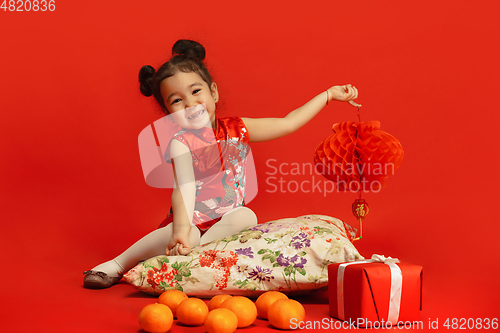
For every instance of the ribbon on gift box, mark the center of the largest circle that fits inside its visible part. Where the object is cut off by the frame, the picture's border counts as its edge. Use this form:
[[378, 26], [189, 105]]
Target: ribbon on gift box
[[396, 285]]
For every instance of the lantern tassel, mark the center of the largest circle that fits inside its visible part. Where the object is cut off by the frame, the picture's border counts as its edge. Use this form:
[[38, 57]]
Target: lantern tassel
[[360, 210], [359, 219]]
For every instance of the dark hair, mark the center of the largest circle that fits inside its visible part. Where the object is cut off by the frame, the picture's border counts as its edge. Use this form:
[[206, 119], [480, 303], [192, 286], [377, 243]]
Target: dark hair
[[187, 56]]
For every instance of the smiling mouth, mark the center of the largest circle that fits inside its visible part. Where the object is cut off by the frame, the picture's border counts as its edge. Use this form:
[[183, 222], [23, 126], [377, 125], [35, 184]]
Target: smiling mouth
[[196, 115]]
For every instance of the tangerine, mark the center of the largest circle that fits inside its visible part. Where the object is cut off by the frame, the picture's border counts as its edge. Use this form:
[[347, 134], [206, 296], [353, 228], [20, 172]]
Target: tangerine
[[172, 299], [282, 312], [265, 300], [192, 311], [216, 301], [221, 320], [156, 318], [243, 308]]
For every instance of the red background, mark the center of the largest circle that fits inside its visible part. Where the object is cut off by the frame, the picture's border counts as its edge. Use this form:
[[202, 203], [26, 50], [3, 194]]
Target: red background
[[72, 190]]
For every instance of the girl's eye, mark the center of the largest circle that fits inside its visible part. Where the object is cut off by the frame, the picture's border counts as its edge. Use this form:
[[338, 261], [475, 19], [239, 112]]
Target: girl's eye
[[196, 91], [176, 101]]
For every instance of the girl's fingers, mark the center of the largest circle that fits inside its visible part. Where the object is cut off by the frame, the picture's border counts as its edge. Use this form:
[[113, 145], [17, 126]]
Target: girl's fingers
[[352, 92], [350, 95], [185, 250], [345, 95], [173, 251]]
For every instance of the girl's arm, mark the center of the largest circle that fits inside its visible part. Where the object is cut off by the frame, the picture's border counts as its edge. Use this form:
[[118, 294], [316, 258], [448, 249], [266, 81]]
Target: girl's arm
[[183, 197], [264, 129]]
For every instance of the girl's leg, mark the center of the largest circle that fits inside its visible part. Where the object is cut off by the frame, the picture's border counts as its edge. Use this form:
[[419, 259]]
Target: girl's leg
[[232, 222], [151, 245]]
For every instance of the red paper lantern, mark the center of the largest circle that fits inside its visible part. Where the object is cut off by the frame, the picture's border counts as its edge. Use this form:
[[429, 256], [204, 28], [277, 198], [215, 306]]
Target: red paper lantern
[[358, 156]]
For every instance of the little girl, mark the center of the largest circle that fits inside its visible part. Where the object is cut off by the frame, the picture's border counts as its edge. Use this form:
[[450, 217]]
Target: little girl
[[185, 92]]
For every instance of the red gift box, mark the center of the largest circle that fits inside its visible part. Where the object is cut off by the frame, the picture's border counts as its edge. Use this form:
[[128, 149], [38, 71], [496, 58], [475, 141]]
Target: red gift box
[[378, 292]]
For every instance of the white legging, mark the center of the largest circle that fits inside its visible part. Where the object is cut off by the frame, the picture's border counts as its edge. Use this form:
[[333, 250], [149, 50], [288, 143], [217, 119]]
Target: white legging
[[155, 242]]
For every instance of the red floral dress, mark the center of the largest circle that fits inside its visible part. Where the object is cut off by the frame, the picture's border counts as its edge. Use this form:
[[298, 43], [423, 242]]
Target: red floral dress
[[219, 158]]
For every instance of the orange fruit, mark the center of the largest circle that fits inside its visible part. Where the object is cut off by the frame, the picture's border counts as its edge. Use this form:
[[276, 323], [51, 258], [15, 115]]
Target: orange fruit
[[282, 312], [221, 320], [265, 300], [243, 308], [216, 301], [192, 312], [156, 318], [172, 299]]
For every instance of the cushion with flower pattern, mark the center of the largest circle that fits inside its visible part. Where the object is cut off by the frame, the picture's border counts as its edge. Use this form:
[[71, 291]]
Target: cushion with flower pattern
[[289, 255]]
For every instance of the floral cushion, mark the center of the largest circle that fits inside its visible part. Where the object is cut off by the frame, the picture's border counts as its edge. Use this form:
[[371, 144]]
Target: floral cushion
[[289, 255]]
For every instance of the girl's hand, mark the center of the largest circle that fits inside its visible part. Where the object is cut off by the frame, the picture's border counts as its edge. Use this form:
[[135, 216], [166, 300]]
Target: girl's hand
[[177, 250], [346, 93], [178, 245]]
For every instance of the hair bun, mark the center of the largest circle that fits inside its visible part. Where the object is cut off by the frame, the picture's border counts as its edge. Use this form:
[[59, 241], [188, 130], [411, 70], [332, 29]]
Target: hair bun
[[146, 79], [189, 48]]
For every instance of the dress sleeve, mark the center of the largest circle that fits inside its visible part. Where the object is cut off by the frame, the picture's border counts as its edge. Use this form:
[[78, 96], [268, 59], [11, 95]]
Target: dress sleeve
[[233, 128], [244, 136], [179, 137]]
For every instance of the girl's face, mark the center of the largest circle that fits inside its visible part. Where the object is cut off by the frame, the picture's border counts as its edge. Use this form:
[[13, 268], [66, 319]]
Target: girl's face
[[189, 100]]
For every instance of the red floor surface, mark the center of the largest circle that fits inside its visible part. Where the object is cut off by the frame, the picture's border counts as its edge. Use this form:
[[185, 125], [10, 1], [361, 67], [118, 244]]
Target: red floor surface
[[58, 303]]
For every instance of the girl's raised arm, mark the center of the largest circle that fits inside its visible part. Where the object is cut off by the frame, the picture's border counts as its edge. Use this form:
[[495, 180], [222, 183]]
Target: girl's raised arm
[[264, 129]]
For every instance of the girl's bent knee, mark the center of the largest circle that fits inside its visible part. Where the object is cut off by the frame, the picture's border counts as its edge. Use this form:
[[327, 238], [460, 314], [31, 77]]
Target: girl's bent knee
[[247, 216]]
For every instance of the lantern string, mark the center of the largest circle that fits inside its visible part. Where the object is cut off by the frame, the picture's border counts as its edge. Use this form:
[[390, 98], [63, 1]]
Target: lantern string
[[359, 120], [360, 191]]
